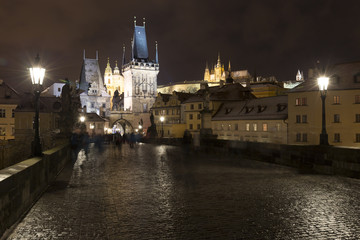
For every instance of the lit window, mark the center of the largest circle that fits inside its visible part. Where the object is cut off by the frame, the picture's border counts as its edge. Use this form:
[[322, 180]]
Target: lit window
[[336, 137], [336, 99], [255, 126], [248, 127], [336, 118], [265, 127], [278, 127], [301, 101]]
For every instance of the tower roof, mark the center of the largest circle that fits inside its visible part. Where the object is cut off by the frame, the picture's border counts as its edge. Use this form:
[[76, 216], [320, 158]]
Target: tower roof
[[140, 49]]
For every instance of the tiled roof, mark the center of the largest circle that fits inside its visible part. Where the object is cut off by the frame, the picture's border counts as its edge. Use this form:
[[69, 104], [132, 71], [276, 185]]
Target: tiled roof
[[93, 117], [270, 108]]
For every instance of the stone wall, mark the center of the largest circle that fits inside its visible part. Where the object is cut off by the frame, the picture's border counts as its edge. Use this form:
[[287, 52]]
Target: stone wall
[[320, 159], [23, 183]]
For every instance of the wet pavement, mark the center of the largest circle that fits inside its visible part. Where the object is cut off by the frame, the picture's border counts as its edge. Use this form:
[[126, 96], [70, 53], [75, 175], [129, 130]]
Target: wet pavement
[[159, 192]]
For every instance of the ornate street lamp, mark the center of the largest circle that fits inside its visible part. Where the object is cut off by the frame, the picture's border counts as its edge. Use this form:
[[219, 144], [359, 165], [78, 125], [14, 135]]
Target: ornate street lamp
[[162, 125], [37, 74], [323, 84]]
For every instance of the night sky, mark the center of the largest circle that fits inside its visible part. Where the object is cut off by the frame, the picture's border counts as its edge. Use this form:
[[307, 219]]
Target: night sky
[[273, 38]]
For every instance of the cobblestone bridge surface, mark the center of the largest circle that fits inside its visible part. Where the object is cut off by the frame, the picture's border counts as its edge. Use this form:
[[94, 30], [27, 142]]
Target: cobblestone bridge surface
[[159, 192]]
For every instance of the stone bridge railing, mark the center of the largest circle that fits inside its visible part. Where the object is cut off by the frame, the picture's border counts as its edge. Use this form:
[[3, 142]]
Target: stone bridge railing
[[23, 183]]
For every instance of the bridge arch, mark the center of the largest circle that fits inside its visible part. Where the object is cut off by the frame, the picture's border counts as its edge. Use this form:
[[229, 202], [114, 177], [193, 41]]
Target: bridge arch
[[122, 125]]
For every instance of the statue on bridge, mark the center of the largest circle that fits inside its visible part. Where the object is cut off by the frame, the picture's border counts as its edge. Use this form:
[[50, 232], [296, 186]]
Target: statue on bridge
[[116, 101], [151, 131]]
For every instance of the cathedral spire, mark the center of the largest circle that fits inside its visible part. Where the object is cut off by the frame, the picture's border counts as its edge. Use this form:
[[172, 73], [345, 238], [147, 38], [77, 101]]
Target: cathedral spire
[[218, 60], [157, 54], [229, 68], [123, 58]]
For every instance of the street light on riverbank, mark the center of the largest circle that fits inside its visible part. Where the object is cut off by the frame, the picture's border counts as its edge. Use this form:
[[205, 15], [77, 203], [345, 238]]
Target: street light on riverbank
[[162, 125], [323, 84], [37, 74]]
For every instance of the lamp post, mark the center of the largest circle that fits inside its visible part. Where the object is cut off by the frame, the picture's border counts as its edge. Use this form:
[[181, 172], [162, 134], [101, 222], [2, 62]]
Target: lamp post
[[162, 125], [37, 74], [323, 84]]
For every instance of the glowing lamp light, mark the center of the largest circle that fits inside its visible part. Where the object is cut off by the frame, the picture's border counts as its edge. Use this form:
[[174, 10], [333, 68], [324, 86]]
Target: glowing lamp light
[[82, 119], [92, 126], [162, 119], [323, 83], [140, 127], [37, 73]]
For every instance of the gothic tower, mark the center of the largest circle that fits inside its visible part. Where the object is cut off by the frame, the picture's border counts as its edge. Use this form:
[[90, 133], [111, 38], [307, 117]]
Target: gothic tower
[[94, 96], [140, 74]]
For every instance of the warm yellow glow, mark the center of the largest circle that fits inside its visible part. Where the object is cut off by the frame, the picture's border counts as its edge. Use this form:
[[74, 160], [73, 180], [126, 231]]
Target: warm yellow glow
[[162, 119], [37, 75], [82, 119], [140, 127], [323, 83], [92, 126], [136, 130]]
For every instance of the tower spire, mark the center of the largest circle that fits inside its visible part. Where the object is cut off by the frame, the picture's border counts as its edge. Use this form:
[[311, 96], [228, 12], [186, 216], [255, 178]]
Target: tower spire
[[229, 68], [157, 54], [123, 58], [218, 61]]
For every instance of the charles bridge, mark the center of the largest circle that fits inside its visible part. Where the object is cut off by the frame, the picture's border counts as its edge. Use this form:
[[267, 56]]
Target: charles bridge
[[156, 191]]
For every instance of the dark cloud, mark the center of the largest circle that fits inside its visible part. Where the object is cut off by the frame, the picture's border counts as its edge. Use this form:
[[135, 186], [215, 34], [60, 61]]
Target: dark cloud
[[272, 37]]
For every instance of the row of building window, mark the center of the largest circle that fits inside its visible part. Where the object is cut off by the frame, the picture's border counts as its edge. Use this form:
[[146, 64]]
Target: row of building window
[[336, 100], [191, 116], [199, 106], [167, 112], [3, 113], [248, 127], [302, 137], [303, 118]]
